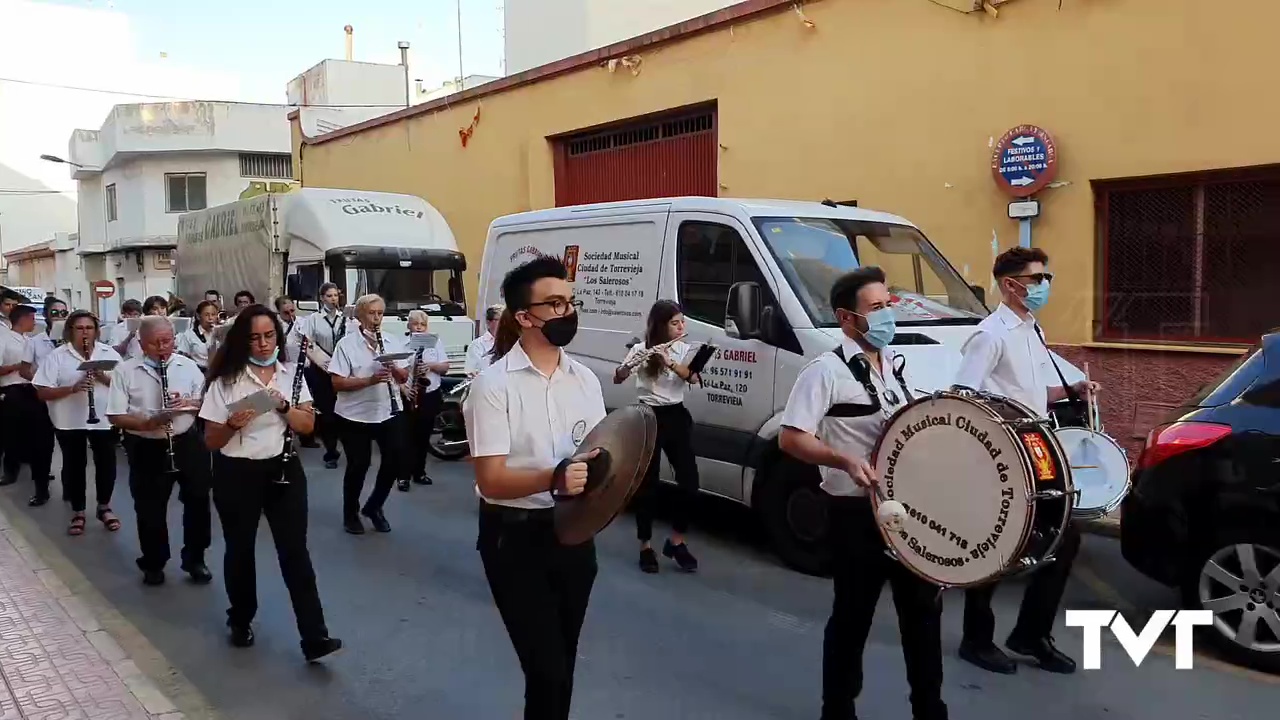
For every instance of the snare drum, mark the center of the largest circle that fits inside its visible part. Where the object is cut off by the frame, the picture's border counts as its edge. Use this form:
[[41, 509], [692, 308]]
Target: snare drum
[[986, 486], [1099, 470]]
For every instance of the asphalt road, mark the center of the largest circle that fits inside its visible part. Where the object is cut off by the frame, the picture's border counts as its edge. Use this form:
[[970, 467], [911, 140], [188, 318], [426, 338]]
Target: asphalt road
[[740, 640]]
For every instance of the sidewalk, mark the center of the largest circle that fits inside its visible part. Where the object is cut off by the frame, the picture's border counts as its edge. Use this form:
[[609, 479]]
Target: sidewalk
[[56, 662]]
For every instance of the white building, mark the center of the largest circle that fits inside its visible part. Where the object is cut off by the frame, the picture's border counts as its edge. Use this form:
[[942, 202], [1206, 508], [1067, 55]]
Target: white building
[[151, 162], [55, 266], [538, 32]]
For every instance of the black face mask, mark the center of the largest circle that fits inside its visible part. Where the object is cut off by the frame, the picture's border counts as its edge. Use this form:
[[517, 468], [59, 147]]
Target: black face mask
[[561, 330]]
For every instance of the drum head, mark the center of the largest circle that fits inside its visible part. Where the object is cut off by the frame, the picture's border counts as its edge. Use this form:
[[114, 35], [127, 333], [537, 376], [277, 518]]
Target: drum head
[[1099, 470], [965, 485]]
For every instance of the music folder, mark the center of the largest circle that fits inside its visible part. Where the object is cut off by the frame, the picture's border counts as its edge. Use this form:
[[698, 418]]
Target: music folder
[[393, 357], [423, 341], [701, 358], [259, 402], [97, 365]]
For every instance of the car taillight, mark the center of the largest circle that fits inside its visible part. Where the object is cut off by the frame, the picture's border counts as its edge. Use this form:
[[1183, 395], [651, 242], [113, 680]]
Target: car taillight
[[1169, 440]]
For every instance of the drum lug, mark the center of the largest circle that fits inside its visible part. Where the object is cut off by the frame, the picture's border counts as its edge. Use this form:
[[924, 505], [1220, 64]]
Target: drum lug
[[1049, 495]]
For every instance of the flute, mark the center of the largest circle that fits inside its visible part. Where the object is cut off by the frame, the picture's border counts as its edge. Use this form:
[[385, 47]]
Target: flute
[[647, 353], [164, 405], [93, 411], [289, 451], [391, 381]]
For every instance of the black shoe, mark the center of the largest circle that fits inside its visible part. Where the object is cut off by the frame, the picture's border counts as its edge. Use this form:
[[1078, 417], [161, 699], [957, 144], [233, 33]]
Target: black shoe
[[1048, 657], [153, 577], [648, 560], [241, 637], [989, 658], [198, 571], [330, 464], [680, 553], [313, 650], [422, 480], [353, 526], [402, 485], [379, 520], [38, 499], [8, 479]]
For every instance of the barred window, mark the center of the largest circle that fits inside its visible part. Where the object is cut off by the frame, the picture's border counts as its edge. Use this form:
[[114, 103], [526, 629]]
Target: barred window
[[266, 165], [1190, 259]]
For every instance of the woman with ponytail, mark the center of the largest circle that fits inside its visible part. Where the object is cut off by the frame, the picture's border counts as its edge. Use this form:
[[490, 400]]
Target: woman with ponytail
[[662, 379], [507, 336]]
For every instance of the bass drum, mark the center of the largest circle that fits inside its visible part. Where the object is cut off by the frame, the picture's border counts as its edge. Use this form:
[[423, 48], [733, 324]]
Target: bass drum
[[986, 486]]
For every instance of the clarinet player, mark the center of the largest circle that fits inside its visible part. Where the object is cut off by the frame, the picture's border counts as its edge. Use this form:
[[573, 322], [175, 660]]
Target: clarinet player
[[370, 408], [256, 474], [154, 399], [423, 400], [75, 400], [325, 329]]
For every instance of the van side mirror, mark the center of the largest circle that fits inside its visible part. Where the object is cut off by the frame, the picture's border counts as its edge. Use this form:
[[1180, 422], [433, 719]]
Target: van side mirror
[[742, 311], [980, 292]]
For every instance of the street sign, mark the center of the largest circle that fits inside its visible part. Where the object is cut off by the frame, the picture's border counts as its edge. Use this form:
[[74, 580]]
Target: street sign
[[104, 288], [1025, 161], [1024, 209]]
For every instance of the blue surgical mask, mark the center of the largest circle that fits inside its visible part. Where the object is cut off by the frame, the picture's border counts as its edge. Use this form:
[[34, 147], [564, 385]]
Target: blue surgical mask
[[153, 363], [267, 362], [882, 325], [1037, 295]]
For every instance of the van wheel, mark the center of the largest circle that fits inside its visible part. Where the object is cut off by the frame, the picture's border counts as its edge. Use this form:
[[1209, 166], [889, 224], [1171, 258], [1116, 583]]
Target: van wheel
[[793, 509], [1238, 578], [449, 441]]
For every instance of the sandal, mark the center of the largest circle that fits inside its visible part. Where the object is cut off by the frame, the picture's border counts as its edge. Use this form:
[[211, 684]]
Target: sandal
[[109, 519], [77, 525]]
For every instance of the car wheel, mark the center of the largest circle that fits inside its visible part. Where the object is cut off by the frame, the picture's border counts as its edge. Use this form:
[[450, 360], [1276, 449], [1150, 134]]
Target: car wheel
[[449, 441], [793, 510], [1239, 581]]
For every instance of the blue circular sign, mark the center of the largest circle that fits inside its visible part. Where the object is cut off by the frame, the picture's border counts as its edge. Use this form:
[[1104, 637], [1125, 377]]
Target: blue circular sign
[[1025, 161]]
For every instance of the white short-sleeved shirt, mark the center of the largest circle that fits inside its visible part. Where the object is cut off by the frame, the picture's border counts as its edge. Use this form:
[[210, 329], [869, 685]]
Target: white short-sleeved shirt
[[263, 437], [826, 381], [1007, 357], [135, 390], [38, 348], [478, 357], [326, 329], [534, 420], [292, 341], [61, 369], [13, 347], [432, 355], [354, 358], [191, 344], [665, 389], [118, 333]]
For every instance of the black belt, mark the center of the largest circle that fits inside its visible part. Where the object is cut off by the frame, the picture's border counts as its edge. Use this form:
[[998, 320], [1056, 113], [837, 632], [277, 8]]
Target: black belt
[[142, 438], [510, 514]]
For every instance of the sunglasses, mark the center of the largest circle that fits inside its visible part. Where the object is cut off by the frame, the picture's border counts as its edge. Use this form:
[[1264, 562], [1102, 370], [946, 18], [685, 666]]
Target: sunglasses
[[1036, 278]]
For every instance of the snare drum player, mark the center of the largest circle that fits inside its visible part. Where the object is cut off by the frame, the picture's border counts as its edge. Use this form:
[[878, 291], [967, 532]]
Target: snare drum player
[[1007, 356], [830, 421], [248, 465], [661, 380], [525, 416], [137, 406]]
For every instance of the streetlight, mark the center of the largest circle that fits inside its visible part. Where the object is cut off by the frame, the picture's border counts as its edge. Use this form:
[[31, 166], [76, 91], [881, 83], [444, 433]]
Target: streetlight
[[56, 159]]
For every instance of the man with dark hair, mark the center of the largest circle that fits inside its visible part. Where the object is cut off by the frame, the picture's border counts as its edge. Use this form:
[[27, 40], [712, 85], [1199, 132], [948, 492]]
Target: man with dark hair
[[214, 297], [832, 420], [243, 299], [524, 454], [25, 416], [9, 299], [1008, 356], [122, 339]]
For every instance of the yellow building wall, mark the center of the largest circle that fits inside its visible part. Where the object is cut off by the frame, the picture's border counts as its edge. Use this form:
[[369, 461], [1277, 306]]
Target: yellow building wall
[[895, 103]]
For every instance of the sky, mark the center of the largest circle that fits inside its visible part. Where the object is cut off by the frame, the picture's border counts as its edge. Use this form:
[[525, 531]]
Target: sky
[[227, 50]]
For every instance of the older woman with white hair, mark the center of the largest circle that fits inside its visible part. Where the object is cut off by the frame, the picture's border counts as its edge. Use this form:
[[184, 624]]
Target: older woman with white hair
[[424, 398], [480, 351], [370, 407]]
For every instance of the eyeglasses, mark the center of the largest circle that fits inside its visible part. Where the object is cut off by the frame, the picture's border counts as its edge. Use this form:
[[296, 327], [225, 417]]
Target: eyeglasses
[[58, 313], [1037, 278], [560, 307]]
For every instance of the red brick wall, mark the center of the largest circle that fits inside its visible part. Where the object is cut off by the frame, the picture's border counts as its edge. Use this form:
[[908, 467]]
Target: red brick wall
[[1137, 384]]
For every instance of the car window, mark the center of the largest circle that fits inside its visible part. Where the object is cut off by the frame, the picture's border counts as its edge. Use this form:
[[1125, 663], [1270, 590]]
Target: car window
[[710, 259], [1231, 382]]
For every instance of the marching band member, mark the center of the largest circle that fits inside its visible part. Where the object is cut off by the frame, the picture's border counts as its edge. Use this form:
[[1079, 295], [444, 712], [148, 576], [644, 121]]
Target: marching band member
[[120, 337], [75, 399], [254, 475], [163, 441], [324, 330], [9, 299], [523, 452], [370, 409], [39, 346], [288, 313], [10, 441], [24, 440], [41, 428], [194, 343], [243, 299], [816, 429], [480, 351], [1008, 356], [425, 398], [662, 380]]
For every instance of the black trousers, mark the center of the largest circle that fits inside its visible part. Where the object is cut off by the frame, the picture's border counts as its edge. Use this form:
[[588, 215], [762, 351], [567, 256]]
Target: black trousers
[[75, 459], [244, 491], [541, 589], [860, 568], [358, 439], [1040, 601], [675, 439], [328, 425], [151, 485], [419, 423], [29, 435]]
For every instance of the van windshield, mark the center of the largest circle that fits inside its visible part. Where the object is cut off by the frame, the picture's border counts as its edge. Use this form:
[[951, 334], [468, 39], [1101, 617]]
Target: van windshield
[[405, 289], [814, 252]]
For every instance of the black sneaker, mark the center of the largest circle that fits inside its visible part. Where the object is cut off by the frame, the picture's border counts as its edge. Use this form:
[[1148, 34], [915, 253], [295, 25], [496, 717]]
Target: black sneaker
[[379, 521], [402, 485], [422, 480], [648, 560], [153, 578], [680, 553], [353, 526], [199, 572], [241, 637], [38, 499], [988, 657], [313, 650]]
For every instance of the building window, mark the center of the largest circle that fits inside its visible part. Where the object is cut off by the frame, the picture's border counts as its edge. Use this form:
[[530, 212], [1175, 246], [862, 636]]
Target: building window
[[710, 259], [1190, 259], [185, 192], [266, 165], [111, 203]]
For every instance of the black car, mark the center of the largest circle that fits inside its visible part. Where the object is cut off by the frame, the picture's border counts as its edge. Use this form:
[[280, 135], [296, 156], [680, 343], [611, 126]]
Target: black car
[[1204, 512]]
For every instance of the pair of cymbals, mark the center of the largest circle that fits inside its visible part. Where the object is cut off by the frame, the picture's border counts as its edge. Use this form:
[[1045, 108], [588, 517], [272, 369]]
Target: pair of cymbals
[[626, 439]]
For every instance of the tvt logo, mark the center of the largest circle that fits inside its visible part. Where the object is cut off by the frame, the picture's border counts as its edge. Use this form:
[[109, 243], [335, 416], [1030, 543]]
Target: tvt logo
[[1138, 645]]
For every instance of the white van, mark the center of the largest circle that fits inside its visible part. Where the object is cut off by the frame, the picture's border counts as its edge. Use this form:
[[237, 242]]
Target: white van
[[754, 278]]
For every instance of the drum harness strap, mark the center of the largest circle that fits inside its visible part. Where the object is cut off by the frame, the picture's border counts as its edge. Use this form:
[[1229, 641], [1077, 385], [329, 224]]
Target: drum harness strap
[[1072, 396], [860, 367]]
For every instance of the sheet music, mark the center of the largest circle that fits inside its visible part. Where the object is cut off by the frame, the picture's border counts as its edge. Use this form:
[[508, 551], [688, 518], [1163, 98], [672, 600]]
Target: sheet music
[[423, 341]]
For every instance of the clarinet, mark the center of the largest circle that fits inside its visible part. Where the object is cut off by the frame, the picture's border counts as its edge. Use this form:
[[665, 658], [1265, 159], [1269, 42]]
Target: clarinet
[[164, 405], [391, 381], [93, 411], [289, 451]]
